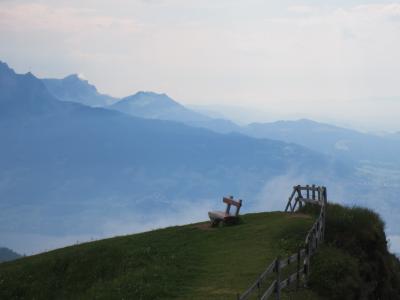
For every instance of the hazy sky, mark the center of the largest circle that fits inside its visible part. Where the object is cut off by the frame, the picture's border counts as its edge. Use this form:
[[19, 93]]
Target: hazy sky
[[329, 60]]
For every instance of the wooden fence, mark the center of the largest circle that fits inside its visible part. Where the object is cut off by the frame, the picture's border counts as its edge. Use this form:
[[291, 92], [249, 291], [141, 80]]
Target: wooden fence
[[300, 261]]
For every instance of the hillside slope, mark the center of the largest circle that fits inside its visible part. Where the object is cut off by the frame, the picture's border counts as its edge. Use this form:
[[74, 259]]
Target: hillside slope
[[198, 262], [187, 262]]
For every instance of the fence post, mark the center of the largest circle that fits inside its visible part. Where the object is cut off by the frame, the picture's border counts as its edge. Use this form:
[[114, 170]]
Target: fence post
[[298, 269], [313, 191], [278, 278], [315, 240], [307, 260], [323, 226], [324, 211]]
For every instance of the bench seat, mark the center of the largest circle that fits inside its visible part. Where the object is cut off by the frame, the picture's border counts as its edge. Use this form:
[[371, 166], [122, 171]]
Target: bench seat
[[218, 215], [224, 216]]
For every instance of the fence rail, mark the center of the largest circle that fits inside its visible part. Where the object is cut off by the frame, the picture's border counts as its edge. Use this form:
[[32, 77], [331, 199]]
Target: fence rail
[[301, 194]]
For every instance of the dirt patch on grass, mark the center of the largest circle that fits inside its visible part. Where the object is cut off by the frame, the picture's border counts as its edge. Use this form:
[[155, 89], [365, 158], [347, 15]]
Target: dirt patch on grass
[[204, 226], [298, 215]]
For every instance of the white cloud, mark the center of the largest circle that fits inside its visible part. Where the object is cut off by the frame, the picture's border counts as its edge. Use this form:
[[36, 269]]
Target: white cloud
[[123, 223], [36, 17], [276, 191], [184, 213], [342, 145]]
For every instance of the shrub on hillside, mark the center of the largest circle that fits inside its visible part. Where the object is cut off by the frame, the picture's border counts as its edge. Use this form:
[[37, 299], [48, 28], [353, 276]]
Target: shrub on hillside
[[335, 274], [359, 234], [359, 231]]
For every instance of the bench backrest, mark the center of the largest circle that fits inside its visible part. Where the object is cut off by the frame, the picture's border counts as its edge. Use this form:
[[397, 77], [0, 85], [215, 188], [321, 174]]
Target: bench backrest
[[229, 202]]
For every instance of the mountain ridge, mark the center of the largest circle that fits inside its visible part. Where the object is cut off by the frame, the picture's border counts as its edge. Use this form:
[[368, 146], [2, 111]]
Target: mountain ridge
[[160, 106], [73, 88]]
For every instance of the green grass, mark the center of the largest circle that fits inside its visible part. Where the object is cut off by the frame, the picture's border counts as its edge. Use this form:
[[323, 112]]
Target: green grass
[[185, 262]]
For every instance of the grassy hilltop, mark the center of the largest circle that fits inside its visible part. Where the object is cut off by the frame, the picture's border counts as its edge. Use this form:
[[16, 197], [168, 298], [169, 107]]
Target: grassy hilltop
[[185, 262], [198, 262]]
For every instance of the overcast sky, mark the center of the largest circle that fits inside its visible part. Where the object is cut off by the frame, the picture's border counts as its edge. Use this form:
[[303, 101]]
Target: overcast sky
[[336, 61]]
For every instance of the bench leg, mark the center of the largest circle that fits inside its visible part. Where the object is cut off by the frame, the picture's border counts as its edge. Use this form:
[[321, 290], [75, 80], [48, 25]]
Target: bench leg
[[215, 222]]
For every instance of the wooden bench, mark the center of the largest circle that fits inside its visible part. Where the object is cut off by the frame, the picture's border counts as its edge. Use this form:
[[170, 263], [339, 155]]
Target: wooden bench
[[225, 216]]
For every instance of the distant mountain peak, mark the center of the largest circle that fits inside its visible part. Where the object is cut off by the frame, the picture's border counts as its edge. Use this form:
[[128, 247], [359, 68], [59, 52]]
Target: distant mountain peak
[[78, 80], [150, 93], [9, 72], [77, 77], [30, 74], [5, 69], [153, 105], [149, 105], [75, 88], [71, 76], [152, 96], [304, 120], [24, 95], [160, 96]]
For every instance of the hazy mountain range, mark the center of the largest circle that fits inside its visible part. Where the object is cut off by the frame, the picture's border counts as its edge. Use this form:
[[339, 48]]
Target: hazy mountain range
[[332, 140], [71, 171]]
